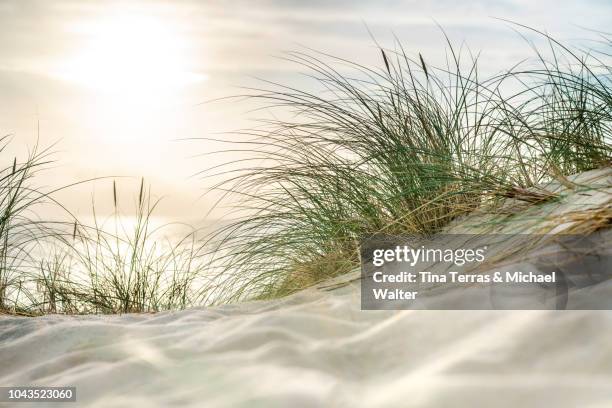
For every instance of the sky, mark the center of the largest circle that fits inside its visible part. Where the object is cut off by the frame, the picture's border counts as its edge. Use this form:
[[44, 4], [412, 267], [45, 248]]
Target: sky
[[121, 89]]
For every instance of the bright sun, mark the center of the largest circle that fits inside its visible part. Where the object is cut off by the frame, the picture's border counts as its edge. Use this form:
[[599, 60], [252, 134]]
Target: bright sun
[[135, 70], [131, 56]]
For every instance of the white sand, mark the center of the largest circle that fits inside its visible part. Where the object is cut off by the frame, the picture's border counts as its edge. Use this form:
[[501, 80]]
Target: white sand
[[317, 348]]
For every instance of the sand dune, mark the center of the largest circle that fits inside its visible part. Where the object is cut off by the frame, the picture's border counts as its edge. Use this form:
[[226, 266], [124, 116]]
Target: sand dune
[[317, 348]]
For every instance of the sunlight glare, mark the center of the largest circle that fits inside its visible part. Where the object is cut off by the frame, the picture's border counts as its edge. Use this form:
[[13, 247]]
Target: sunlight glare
[[135, 69], [132, 56]]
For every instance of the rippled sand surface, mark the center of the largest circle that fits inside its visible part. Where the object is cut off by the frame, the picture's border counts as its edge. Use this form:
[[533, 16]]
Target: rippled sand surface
[[317, 349]]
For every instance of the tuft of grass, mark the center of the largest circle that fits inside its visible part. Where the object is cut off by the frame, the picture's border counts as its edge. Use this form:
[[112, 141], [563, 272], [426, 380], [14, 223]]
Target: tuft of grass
[[112, 266], [404, 148], [20, 230], [115, 266]]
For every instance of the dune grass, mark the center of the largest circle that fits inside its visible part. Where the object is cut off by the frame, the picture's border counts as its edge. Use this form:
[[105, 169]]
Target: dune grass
[[402, 148], [20, 230], [117, 267], [111, 266]]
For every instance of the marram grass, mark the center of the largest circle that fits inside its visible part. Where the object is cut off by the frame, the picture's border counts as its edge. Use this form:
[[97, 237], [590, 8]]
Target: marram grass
[[405, 147], [70, 267], [110, 267]]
